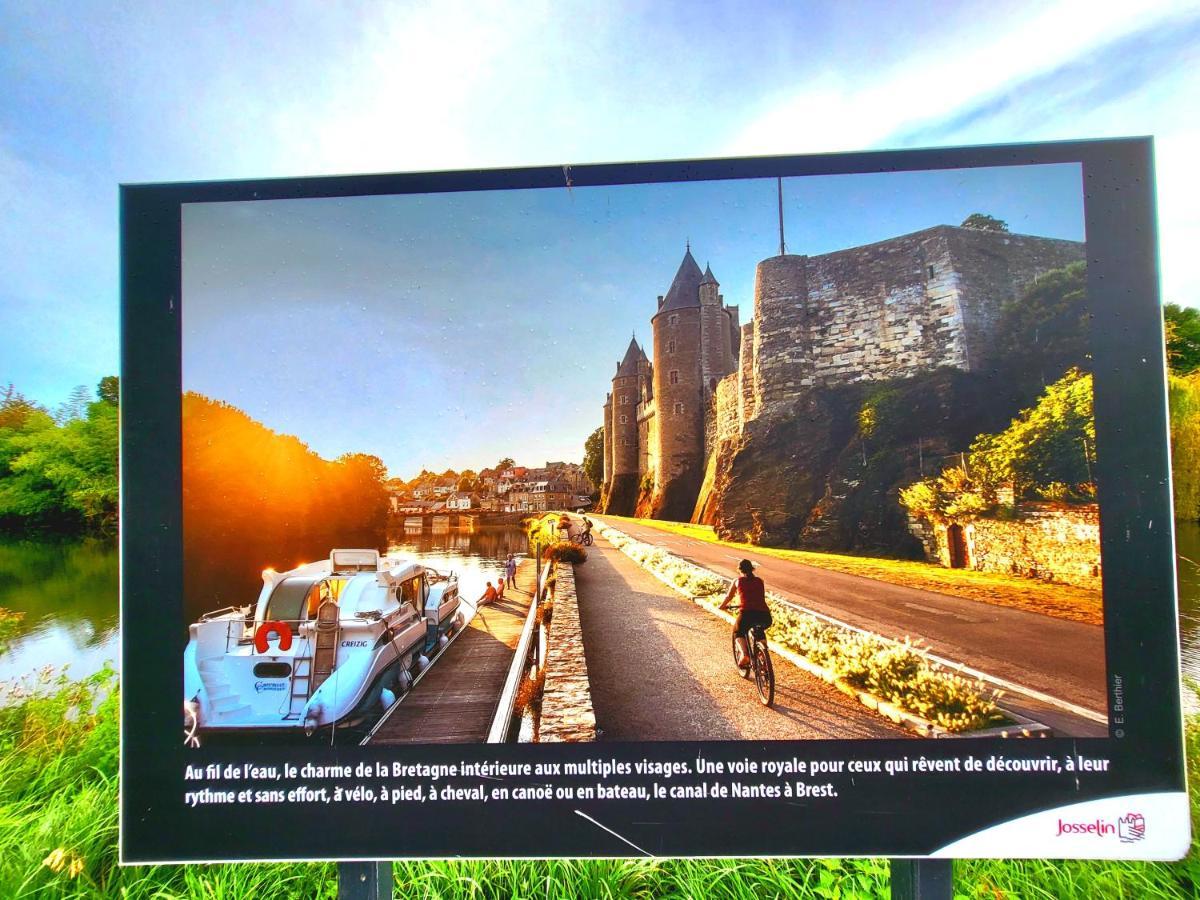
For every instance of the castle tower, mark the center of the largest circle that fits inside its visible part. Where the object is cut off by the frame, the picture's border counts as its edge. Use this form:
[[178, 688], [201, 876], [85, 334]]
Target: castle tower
[[622, 412], [716, 356], [678, 391], [782, 339]]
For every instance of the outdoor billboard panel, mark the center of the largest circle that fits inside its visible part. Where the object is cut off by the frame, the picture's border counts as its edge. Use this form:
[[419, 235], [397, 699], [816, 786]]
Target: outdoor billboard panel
[[603, 510]]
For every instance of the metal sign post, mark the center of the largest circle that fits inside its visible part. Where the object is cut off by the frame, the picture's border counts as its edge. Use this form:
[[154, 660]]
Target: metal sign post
[[365, 881], [922, 879]]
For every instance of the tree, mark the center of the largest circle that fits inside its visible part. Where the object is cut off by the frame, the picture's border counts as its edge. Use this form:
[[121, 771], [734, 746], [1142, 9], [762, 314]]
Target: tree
[[1044, 332], [593, 456], [368, 464], [1051, 444], [1048, 451], [1182, 324], [109, 389], [60, 476], [75, 407], [506, 463], [15, 408], [984, 222], [1185, 444]]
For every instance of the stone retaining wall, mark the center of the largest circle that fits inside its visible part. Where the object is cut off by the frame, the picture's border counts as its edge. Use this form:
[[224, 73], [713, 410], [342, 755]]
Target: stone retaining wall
[[1055, 543], [567, 714]]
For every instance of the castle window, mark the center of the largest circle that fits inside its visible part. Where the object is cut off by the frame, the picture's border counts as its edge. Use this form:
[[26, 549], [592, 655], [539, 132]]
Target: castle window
[[624, 399], [624, 420], [931, 271], [674, 376], [677, 409], [628, 443], [673, 319], [671, 346]]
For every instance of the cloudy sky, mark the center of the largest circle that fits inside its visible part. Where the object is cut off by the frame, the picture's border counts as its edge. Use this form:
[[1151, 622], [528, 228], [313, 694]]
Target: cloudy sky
[[95, 95], [451, 330]]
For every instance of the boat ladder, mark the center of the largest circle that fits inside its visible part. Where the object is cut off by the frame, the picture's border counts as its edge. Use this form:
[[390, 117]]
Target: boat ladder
[[319, 666], [301, 685]]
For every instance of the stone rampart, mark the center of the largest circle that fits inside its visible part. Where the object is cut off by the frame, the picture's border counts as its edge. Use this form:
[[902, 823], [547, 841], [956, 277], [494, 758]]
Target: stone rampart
[[567, 713], [1048, 541], [892, 309], [993, 268], [728, 408]]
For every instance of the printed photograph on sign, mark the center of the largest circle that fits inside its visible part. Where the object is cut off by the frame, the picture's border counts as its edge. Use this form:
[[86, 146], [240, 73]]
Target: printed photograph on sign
[[760, 459]]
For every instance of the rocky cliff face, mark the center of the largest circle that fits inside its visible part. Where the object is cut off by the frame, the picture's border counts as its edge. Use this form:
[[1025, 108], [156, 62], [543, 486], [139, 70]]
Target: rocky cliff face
[[824, 470]]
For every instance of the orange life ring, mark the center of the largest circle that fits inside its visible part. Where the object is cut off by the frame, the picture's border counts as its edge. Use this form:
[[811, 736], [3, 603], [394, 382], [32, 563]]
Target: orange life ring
[[264, 632]]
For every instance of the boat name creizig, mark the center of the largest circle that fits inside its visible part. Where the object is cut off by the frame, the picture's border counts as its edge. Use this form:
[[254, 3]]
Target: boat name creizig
[[356, 643], [260, 686]]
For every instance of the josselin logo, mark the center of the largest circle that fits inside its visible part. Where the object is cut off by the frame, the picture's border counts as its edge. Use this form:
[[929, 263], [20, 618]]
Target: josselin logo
[[260, 686], [1129, 828]]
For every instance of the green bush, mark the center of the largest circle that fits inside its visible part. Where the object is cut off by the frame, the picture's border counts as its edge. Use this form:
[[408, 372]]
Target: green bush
[[567, 551]]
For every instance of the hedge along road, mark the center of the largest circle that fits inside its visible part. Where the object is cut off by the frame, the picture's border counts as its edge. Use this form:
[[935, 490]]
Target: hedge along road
[[661, 669], [1062, 659]]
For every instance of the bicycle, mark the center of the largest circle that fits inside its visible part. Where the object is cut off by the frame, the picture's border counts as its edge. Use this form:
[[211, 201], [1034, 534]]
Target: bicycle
[[586, 539], [760, 664]]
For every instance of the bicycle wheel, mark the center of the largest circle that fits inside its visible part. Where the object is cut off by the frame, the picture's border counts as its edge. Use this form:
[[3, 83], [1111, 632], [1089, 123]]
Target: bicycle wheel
[[764, 673], [745, 673]]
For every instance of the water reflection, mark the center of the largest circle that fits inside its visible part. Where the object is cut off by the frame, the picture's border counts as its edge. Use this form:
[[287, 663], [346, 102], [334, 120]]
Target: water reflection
[[1187, 548], [67, 591], [476, 556]]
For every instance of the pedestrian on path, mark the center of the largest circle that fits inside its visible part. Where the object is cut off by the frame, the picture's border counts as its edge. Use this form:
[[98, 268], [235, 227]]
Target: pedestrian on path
[[510, 569]]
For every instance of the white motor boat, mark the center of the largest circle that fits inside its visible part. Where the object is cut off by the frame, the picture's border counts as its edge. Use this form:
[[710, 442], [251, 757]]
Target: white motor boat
[[328, 643]]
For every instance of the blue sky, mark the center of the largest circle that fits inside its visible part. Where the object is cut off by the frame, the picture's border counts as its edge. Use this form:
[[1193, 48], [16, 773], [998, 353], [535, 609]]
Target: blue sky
[[94, 96], [450, 330]]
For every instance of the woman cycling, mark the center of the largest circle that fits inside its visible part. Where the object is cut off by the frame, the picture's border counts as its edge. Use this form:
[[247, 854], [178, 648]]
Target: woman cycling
[[753, 612]]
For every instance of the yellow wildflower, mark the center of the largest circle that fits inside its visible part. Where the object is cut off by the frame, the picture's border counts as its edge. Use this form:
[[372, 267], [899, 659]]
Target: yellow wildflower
[[56, 859]]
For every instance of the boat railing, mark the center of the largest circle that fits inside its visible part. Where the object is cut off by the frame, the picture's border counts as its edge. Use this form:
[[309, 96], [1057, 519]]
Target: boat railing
[[240, 632], [223, 611]]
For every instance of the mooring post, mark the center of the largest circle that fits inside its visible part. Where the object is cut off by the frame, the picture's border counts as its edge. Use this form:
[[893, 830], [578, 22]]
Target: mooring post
[[922, 879], [365, 880]]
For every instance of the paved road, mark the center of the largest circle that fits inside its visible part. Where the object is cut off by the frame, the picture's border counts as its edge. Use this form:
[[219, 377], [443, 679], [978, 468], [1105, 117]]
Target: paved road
[[661, 669], [1060, 658]]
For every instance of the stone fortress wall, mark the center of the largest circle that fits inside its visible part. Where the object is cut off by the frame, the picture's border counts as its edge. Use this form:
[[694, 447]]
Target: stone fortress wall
[[891, 309]]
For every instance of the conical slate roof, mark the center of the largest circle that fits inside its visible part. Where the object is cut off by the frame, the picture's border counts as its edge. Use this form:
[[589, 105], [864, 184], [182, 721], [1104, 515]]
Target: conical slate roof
[[709, 277], [634, 355], [685, 289]]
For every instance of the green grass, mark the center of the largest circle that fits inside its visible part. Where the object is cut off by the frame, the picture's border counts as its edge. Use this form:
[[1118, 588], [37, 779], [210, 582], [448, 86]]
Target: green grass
[[58, 834], [1061, 601]]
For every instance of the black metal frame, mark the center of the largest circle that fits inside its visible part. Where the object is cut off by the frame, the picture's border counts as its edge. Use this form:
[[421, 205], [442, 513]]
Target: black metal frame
[[1140, 627]]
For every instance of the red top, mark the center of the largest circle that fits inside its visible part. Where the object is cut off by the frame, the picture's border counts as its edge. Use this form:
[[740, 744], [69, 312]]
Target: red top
[[753, 593]]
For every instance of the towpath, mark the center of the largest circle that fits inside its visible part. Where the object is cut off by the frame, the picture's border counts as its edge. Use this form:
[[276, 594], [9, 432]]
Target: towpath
[[1062, 659], [661, 669]]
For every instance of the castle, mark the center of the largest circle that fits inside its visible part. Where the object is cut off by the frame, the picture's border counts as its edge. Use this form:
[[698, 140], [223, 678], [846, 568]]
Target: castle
[[891, 309]]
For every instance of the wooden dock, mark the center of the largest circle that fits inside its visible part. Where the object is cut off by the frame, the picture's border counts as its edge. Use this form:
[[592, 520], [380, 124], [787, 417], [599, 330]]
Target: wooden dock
[[456, 700]]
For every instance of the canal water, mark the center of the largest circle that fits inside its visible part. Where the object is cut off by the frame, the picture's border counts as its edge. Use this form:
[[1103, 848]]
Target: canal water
[[1187, 549], [67, 591]]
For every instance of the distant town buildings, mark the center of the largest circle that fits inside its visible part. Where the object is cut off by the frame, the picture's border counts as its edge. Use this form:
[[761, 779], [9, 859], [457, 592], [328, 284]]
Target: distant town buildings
[[556, 485]]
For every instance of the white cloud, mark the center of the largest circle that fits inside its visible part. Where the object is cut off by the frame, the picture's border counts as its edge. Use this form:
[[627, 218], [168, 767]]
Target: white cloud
[[849, 111]]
